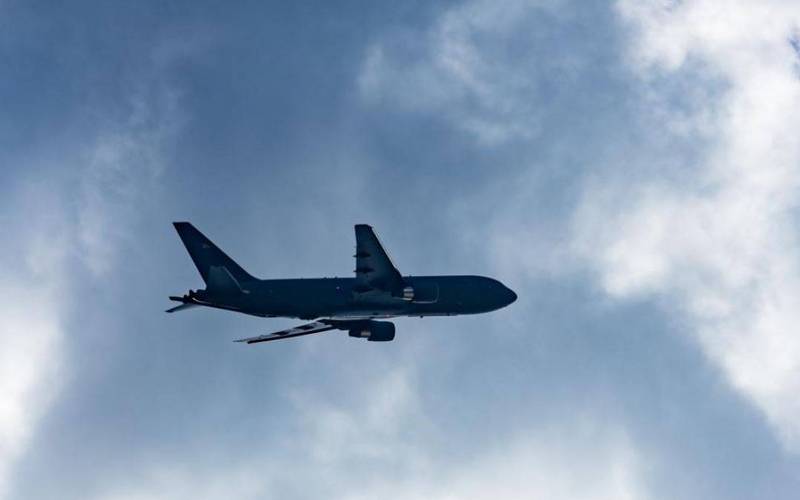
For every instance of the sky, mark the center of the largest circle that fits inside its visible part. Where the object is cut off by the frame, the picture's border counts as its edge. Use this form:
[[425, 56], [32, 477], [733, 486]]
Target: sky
[[630, 168]]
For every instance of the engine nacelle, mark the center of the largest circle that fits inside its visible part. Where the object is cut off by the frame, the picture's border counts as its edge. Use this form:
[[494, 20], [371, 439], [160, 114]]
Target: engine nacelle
[[374, 331]]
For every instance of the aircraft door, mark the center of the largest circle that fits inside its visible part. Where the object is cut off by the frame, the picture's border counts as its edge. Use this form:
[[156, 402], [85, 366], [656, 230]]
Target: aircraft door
[[425, 292]]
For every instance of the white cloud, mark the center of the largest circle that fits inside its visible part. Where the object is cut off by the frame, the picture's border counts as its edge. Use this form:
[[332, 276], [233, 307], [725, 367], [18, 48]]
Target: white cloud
[[720, 241], [460, 69], [26, 361]]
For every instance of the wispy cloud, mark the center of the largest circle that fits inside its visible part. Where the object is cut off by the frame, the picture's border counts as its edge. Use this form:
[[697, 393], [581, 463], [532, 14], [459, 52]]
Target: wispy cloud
[[120, 172], [451, 70]]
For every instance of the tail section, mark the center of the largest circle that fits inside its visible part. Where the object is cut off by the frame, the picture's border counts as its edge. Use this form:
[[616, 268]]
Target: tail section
[[217, 269]]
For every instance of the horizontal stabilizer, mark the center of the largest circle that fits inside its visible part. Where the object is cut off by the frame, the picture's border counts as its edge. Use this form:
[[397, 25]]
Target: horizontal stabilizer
[[181, 307]]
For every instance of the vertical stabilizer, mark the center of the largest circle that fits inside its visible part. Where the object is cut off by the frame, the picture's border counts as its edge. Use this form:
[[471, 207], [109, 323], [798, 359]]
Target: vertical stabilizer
[[212, 262]]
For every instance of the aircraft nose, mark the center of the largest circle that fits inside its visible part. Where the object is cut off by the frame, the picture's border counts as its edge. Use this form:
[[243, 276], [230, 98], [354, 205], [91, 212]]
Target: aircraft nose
[[510, 296]]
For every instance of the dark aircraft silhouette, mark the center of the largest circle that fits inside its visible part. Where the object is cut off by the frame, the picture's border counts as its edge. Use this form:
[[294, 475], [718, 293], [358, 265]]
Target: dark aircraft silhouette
[[350, 304]]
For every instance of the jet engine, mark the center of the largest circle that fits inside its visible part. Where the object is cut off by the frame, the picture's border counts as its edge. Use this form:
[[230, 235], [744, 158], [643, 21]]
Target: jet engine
[[375, 331]]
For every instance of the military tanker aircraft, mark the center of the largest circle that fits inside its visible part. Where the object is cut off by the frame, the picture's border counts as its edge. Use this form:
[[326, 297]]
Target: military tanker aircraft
[[355, 305]]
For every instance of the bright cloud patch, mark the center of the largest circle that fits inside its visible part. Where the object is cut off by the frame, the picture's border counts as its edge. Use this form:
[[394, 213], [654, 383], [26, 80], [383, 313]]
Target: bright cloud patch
[[30, 333], [31, 316], [721, 240]]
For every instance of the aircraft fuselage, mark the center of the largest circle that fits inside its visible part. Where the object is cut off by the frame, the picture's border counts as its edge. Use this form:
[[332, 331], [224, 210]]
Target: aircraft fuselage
[[341, 298]]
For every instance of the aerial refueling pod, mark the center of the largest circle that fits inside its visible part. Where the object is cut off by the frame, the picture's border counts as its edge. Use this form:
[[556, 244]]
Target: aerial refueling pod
[[374, 331]]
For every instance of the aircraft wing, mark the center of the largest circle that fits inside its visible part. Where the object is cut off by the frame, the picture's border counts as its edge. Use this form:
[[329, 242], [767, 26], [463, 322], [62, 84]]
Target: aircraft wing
[[297, 331], [374, 268]]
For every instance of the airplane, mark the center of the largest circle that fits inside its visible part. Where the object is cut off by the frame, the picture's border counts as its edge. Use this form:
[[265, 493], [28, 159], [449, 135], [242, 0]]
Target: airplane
[[354, 305]]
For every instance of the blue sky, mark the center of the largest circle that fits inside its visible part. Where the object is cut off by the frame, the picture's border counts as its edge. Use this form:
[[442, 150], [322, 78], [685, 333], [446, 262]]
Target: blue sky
[[630, 168]]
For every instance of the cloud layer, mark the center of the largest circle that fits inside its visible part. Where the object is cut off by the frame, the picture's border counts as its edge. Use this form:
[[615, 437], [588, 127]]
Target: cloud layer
[[628, 169]]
